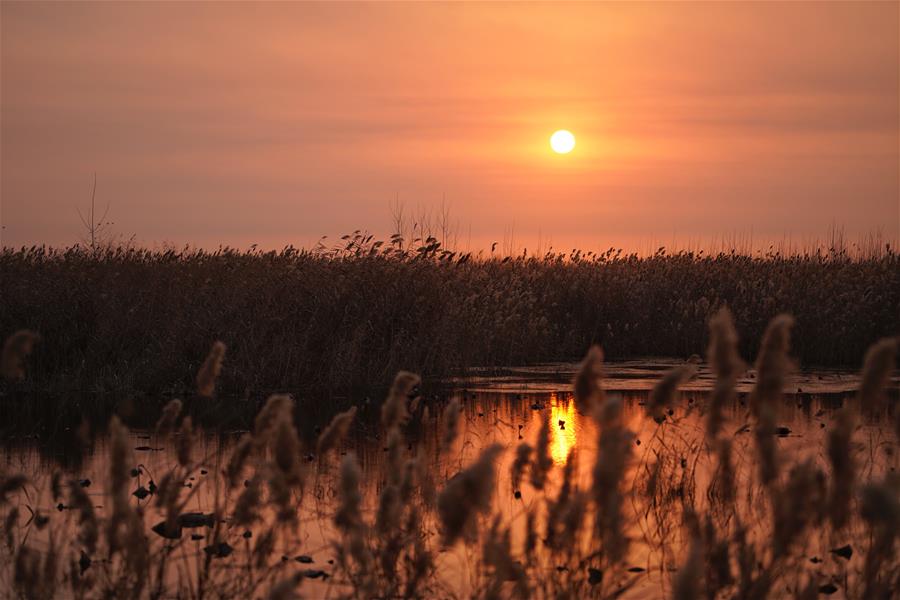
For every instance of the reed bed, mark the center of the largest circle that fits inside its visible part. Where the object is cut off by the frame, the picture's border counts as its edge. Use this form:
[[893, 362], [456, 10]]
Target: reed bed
[[713, 510], [339, 322]]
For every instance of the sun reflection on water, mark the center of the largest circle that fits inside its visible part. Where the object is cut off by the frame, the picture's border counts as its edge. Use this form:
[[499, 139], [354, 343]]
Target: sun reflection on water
[[564, 427]]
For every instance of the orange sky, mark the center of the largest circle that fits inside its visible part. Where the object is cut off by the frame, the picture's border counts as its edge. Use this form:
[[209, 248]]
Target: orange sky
[[277, 123]]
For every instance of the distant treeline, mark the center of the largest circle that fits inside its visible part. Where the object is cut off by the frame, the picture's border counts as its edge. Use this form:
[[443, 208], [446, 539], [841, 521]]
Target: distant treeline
[[345, 320]]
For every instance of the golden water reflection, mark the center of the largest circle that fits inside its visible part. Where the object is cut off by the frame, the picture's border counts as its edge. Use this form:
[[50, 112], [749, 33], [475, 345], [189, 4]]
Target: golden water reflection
[[564, 427]]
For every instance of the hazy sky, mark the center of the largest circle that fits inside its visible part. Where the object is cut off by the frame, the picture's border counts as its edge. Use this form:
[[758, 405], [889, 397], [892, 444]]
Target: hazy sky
[[277, 123]]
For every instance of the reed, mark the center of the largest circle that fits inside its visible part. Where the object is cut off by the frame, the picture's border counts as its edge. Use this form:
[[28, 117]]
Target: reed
[[346, 320]]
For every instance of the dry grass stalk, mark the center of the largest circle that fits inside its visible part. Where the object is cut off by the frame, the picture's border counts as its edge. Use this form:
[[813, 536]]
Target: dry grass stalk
[[185, 442], [451, 423], [521, 462], [246, 510], [542, 462], [586, 385], [238, 460], [16, 349], [726, 363], [87, 518], [209, 371], [690, 575]]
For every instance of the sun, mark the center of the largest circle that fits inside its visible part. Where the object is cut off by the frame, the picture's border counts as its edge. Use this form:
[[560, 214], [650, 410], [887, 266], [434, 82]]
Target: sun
[[562, 141]]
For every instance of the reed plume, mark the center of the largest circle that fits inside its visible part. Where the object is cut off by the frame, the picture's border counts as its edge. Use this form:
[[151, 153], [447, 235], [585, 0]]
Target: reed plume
[[287, 449], [276, 408], [467, 494], [336, 431], [726, 363], [586, 385], [877, 368], [209, 371], [16, 349], [348, 516], [843, 467], [169, 416], [394, 411], [772, 366], [663, 393], [614, 452]]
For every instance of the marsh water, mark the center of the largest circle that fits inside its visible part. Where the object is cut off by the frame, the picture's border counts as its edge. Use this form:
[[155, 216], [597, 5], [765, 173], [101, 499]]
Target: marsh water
[[506, 408]]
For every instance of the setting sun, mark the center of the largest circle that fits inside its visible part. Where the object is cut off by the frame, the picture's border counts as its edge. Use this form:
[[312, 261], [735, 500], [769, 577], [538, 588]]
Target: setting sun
[[562, 141]]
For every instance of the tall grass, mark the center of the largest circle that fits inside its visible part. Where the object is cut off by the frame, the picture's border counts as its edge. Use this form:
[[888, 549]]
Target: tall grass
[[338, 322]]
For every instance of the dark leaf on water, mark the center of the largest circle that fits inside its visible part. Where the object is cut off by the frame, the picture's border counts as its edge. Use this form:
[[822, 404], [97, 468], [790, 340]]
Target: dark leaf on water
[[219, 550], [782, 431], [84, 563], [247, 534], [815, 560], [196, 519], [160, 529], [828, 589], [84, 483], [636, 570], [314, 574], [843, 551], [595, 576], [196, 536], [141, 493]]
